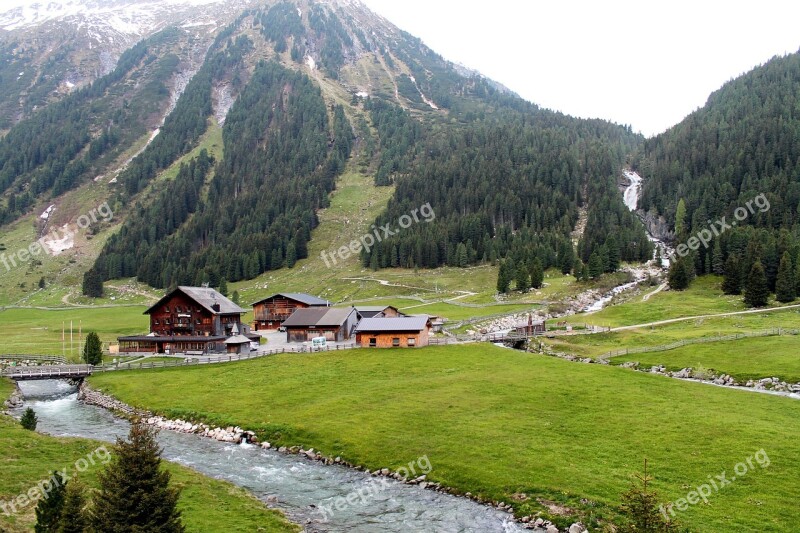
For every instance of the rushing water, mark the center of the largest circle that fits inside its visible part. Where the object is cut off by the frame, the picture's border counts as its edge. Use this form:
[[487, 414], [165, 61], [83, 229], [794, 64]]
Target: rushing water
[[631, 198], [296, 486]]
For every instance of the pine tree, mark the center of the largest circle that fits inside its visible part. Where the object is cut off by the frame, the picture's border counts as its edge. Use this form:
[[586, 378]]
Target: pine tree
[[223, 287], [613, 254], [93, 349], [92, 284], [680, 274], [291, 255], [717, 261], [134, 490], [503, 279], [48, 510], [680, 219], [641, 508], [523, 278], [29, 420], [235, 297], [756, 291], [595, 265], [537, 274], [732, 282], [73, 513], [785, 290], [577, 269]]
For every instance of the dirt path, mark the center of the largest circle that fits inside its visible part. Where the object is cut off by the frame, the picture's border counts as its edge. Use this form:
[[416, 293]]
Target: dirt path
[[683, 319], [658, 289]]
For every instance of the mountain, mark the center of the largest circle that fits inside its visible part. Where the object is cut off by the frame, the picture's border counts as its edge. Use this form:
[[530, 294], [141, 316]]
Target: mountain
[[298, 93], [739, 151]]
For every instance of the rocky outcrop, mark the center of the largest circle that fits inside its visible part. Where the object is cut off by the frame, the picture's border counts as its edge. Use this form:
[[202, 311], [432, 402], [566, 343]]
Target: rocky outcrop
[[16, 399]]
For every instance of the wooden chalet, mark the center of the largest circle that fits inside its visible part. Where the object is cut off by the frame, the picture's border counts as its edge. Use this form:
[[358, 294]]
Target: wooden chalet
[[397, 332], [189, 319], [377, 311], [270, 313], [333, 323]]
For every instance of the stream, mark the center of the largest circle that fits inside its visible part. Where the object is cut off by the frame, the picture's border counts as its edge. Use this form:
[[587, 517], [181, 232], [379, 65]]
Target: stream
[[296, 486]]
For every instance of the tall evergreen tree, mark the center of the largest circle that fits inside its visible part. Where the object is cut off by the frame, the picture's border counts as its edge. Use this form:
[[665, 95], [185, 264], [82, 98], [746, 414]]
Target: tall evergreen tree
[[595, 265], [613, 253], [756, 290], [92, 284], [135, 493], [537, 274], [680, 274], [93, 349], [291, 255], [29, 420], [223, 287], [73, 517], [503, 278], [785, 290], [523, 278], [680, 220], [732, 282], [48, 510], [717, 259]]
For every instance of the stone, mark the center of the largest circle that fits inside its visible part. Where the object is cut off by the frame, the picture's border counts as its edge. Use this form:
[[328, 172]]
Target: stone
[[552, 529], [384, 471], [577, 527]]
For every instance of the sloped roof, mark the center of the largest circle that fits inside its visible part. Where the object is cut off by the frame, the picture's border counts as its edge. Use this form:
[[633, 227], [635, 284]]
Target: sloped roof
[[378, 308], [328, 316], [298, 297], [238, 339], [205, 297], [405, 323]]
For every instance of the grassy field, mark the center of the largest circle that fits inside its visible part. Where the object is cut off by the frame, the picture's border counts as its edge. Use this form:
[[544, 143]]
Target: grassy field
[[38, 331], [702, 298], [498, 422], [28, 457], [752, 358]]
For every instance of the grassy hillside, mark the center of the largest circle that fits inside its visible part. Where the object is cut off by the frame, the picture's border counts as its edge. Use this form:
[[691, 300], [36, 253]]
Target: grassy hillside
[[207, 504], [499, 422]]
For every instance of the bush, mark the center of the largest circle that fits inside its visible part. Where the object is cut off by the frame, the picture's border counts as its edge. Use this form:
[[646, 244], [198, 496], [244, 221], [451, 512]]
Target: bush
[[29, 419]]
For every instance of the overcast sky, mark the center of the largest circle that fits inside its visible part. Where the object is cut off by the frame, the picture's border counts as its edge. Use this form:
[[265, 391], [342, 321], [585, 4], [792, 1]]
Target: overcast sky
[[641, 63]]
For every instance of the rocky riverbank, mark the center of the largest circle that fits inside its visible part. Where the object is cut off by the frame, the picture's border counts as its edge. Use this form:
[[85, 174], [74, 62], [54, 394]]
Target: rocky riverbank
[[16, 399], [237, 435]]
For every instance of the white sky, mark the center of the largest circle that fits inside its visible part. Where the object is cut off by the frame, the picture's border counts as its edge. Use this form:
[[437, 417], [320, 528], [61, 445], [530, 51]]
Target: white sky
[[639, 62]]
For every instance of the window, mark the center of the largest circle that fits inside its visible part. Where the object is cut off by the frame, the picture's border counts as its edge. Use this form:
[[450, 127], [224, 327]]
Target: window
[[155, 321], [412, 341], [166, 309], [373, 342], [177, 308], [396, 341]]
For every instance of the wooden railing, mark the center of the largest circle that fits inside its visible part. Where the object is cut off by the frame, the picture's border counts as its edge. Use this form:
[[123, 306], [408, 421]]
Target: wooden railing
[[47, 372]]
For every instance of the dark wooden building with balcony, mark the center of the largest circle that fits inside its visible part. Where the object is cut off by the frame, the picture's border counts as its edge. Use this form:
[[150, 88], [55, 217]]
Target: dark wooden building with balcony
[[270, 313], [189, 319]]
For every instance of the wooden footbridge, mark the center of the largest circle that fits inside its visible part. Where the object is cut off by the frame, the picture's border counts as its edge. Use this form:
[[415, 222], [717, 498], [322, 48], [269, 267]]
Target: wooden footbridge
[[24, 373]]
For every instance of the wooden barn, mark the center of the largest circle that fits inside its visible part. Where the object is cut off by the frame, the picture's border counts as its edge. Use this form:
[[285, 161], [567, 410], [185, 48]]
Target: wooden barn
[[189, 319], [377, 311], [333, 323], [397, 332], [269, 313]]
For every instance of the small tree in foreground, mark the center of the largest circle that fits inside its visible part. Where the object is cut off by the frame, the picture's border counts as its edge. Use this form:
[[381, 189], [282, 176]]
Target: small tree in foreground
[[134, 490], [48, 510], [641, 508], [29, 419], [73, 513], [93, 349]]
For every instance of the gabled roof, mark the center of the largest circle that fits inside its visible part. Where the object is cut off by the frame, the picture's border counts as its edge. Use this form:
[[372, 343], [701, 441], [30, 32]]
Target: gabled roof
[[389, 324], [298, 297], [206, 298], [318, 317], [378, 308], [238, 339]]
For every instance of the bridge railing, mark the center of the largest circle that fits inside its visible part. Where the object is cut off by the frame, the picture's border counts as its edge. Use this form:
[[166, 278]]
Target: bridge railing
[[56, 371]]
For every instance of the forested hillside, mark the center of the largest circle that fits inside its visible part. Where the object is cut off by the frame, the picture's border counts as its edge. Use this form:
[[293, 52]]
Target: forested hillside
[[745, 142]]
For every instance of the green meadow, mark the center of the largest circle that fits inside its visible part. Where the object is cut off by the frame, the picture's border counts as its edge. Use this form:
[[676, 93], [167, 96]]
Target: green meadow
[[499, 423]]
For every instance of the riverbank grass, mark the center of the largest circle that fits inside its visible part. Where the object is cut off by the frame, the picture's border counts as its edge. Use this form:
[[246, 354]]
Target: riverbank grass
[[207, 504], [537, 432]]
